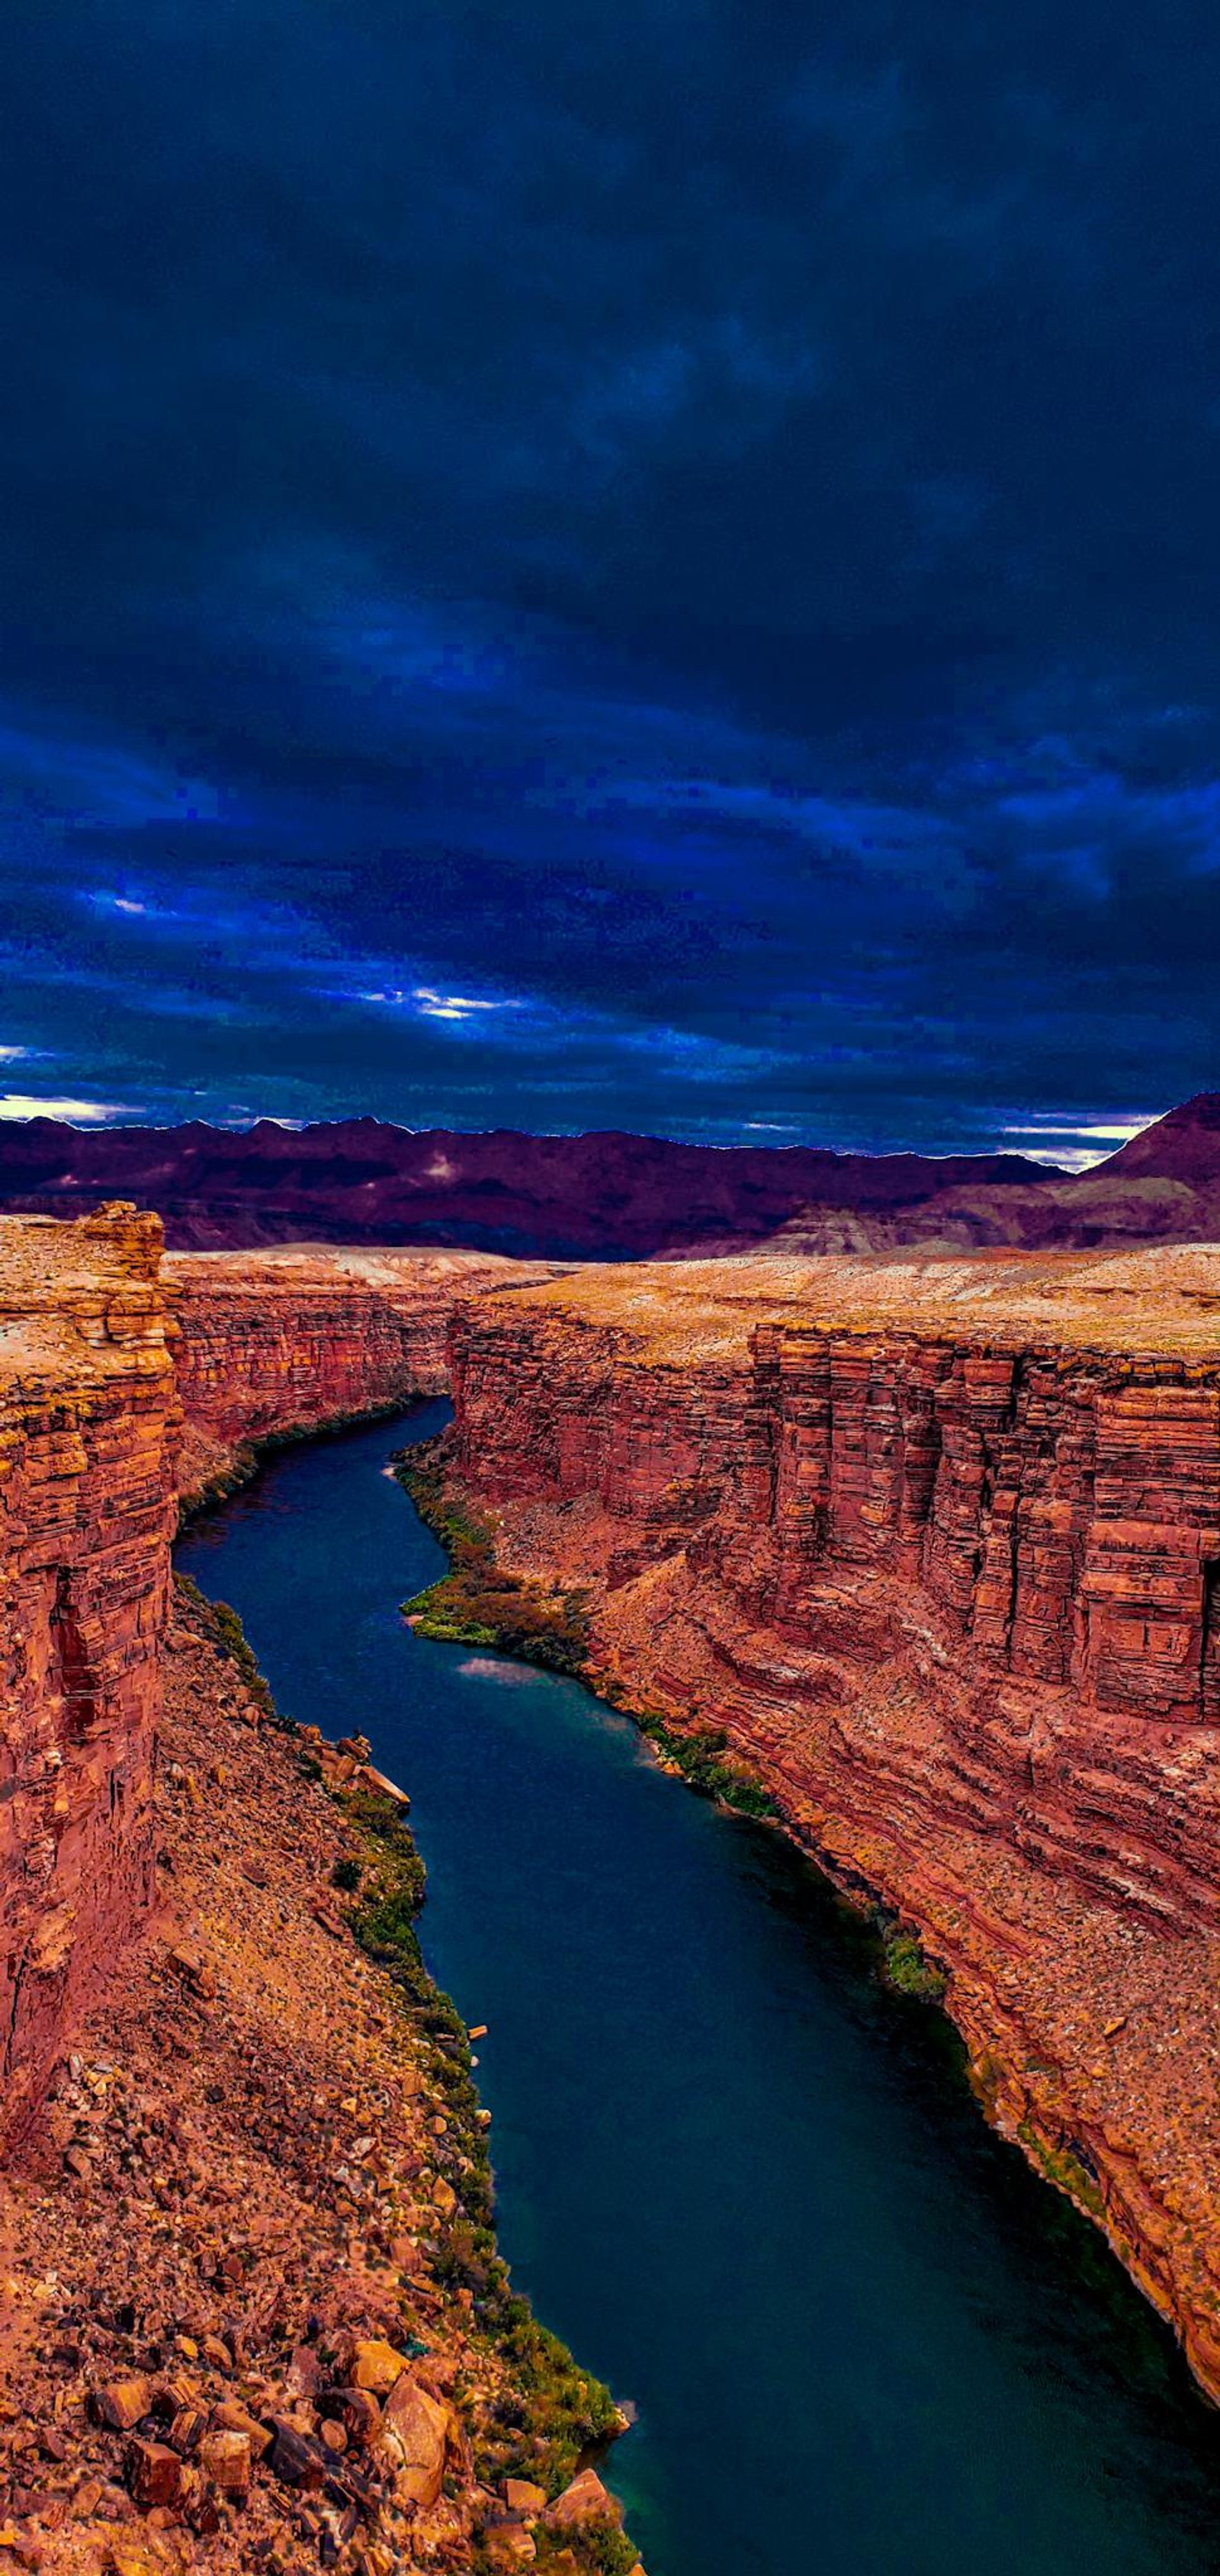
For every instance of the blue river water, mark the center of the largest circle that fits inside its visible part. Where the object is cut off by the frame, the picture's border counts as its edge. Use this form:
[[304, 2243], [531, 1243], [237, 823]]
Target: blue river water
[[744, 2181]]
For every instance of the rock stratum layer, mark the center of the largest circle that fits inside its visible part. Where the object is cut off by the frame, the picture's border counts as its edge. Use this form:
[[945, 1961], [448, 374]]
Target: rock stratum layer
[[88, 1436], [937, 1546]]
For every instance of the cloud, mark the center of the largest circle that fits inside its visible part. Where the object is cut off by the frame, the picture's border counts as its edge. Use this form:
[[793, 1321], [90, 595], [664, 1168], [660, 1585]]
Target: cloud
[[563, 612], [79, 1113], [1075, 1144]]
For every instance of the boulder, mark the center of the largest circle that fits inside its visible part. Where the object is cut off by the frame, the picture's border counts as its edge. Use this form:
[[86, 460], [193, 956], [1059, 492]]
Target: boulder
[[508, 2545], [232, 2417], [224, 2457], [154, 2473], [376, 2366], [122, 2402], [295, 2459], [522, 2497], [586, 2500], [414, 2432], [359, 2414]]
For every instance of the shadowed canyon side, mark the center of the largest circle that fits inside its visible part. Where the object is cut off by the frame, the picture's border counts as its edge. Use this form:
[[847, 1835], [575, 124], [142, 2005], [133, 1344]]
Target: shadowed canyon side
[[934, 1548], [88, 1426]]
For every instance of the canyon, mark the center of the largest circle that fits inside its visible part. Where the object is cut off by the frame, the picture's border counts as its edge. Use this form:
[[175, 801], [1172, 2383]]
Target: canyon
[[128, 1389], [88, 1433], [925, 1549], [273, 1345]]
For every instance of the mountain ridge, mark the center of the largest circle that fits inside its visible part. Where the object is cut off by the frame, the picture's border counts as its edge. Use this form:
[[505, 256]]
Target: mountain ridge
[[610, 1194]]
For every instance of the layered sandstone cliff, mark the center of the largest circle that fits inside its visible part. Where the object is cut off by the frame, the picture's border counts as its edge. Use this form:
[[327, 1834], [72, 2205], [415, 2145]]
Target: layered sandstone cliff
[[88, 1425], [123, 1383], [273, 1344], [937, 1546]]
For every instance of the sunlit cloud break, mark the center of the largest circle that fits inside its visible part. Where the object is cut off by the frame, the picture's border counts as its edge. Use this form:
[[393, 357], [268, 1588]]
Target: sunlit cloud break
[[1113, 1132], [429, 1004], [1078, 1144], [77, 1113]]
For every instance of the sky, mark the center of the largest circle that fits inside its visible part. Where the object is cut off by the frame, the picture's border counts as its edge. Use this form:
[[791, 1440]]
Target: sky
[[612, 565]]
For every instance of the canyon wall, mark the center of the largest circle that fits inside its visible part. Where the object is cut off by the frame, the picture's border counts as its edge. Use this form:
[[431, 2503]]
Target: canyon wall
[[88, 1429], [937, 1547], [273, 1344], [123, 1383]]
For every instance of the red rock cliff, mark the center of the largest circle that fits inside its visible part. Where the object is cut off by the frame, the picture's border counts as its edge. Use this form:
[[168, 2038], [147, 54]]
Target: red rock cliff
[[275, 1343], [938, 1546], [88, 1425], [93, 1448]]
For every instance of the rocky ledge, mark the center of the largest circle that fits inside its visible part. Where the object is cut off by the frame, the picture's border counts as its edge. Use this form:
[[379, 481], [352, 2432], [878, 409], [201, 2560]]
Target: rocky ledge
[[253, 2314]]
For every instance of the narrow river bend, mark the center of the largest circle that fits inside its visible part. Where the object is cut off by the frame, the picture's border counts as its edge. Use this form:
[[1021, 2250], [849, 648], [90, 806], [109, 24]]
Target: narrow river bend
[[745, 2183]]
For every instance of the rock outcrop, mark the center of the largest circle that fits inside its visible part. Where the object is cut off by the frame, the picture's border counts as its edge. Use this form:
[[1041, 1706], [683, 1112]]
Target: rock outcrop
[[937, 1548], [88, 1432], [244, 2181], [237, 2330], [122, 1385]]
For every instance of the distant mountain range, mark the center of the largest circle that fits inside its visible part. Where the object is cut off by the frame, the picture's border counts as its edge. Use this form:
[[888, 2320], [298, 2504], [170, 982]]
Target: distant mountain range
[[611, 1197]]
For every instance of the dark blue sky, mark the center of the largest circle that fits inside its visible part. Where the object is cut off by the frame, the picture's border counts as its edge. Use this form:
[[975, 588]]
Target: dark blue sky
[[618, 562]]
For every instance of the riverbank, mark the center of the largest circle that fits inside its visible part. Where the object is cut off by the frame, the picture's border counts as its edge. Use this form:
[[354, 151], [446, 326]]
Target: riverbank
[[211, 1472], [254, 2315]]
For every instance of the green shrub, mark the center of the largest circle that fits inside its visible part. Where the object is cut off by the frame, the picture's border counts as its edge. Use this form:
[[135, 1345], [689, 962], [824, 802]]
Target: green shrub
[[709, 1766], [476, 1603], [904, 1965], [220, 1624], [1064, 2166], [599, 2549]]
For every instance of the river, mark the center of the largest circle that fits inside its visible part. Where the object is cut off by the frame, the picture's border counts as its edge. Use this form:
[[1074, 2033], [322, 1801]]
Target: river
[[741, 2178]]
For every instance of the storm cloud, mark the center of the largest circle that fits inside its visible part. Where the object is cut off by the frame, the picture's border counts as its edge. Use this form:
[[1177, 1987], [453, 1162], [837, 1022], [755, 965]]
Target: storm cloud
[[640, 566]]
